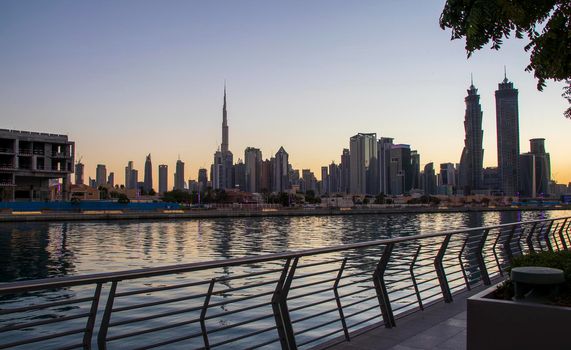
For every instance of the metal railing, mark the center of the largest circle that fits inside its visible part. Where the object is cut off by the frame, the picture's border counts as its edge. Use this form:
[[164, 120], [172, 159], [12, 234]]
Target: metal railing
[[286, 300]]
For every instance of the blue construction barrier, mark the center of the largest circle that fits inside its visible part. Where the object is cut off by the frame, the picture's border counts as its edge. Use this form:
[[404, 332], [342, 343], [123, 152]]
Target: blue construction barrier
[[88, 205]]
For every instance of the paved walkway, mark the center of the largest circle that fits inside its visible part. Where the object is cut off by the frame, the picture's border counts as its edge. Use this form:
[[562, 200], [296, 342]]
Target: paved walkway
[[440, 326]]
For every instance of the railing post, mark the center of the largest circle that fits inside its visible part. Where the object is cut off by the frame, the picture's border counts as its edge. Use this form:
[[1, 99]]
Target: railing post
[[496, 254], [283, 305], [381, 288], [554, 234], [414, 284], [507, 244], [91, 319], [279, 306], [529, 238], [546, 236], [519, 237], [561, 237], [338, 300], [539, 235], [480, 258], [102, 336], [440, 273], [567, 232], [462, 262], [203, 314]]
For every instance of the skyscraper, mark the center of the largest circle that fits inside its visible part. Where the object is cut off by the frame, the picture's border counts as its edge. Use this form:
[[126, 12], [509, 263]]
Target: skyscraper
[[266, 178], [294, 178], [471, 161], [128, 176], [163, 178], [507, 125], [134, 179], [223, 158], [414, 170], [447, 179], [324, 180], [384, 159], [447, 174], [253, 161], [202, 179], [527, 180], [345, 171], [534, 170], [429, 177], [240, 175], [309, 181], [542, 165], [363, 178], [79, 167], [100, 175], [281, 171], [111, 179], [224, 145], [148, 180], [400, 173], [179, 176], [334, 173]]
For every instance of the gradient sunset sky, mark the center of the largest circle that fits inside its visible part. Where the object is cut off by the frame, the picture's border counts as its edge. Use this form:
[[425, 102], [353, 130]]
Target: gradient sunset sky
[[128, 78]]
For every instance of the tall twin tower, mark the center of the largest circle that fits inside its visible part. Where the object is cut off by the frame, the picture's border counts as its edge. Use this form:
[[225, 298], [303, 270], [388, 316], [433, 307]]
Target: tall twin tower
[[507, 121]]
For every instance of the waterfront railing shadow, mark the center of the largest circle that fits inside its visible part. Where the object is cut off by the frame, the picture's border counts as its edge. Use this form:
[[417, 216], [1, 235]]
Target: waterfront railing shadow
[[286, 300]]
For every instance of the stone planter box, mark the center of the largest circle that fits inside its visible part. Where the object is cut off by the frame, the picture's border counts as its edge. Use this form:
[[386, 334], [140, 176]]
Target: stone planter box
[[505, 324]]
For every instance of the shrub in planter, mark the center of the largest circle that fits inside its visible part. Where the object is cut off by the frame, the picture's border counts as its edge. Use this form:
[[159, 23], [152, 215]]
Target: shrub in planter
[[495, 321], [558, 260]]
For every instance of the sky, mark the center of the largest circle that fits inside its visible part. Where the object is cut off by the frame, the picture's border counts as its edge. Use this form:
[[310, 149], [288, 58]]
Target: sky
[[127, 78]]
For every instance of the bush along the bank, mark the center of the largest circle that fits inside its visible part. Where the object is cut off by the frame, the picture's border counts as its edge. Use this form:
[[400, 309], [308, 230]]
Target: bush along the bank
[[558, 260]]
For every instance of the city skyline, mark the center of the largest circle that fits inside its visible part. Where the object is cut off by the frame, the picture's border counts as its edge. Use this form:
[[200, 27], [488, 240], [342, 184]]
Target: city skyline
[[223, 168], [126, 90]]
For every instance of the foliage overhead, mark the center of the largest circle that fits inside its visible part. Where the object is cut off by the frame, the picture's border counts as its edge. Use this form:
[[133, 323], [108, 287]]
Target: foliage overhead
[[545, 23]]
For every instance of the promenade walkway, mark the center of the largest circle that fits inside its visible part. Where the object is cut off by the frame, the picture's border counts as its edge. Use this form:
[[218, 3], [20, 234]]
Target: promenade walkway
[[440, 327]]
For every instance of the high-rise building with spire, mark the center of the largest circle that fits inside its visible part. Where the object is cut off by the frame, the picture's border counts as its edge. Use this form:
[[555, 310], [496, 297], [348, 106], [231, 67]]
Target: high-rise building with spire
[[223, 159], [224, 146], [507, 126], [471, 162], [148, 179]]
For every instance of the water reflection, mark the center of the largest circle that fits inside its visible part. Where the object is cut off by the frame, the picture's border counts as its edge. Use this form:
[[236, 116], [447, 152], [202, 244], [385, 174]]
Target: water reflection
[[40, 250]]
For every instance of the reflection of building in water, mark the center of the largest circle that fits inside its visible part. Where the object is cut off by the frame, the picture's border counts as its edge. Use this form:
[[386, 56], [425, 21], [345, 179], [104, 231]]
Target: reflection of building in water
[[474, 219], [58, 251], [30, 251]]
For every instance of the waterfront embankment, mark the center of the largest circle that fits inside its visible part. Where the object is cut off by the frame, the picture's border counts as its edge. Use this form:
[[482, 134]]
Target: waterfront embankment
[[240, 213]]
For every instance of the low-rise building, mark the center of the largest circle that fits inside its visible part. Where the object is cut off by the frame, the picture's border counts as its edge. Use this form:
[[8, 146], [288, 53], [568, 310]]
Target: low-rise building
[[29, 160]]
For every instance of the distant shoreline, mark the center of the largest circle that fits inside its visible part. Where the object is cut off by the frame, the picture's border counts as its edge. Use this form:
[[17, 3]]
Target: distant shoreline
[[242, 213]]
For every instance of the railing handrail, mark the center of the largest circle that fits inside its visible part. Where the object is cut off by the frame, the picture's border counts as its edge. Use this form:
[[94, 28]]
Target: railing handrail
[[59, 282]]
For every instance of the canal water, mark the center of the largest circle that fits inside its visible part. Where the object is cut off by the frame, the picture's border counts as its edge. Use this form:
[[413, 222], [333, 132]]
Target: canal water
[[52, 249]]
